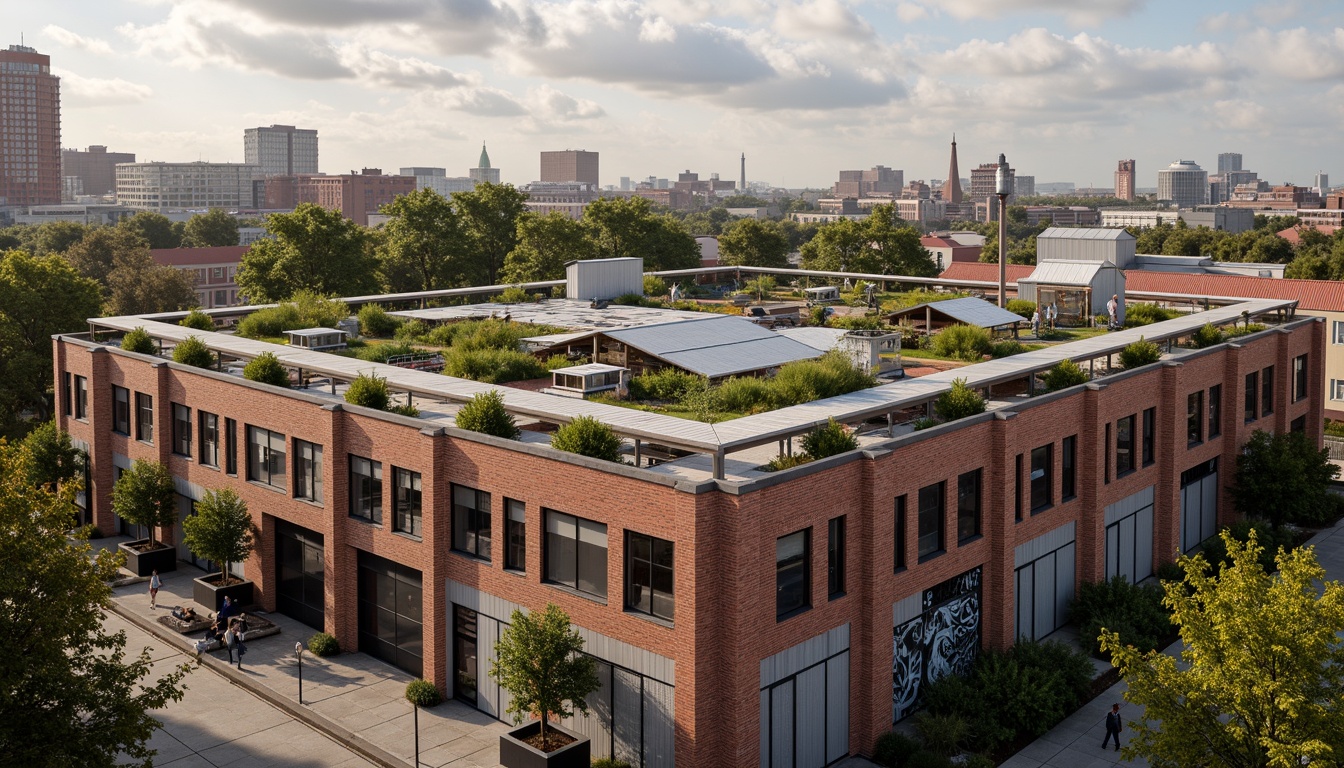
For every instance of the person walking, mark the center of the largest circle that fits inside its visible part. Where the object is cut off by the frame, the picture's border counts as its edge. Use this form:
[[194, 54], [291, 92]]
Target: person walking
[[1036, 322], [1113, 723], [1112, 309], [155, 584], [231, 642]]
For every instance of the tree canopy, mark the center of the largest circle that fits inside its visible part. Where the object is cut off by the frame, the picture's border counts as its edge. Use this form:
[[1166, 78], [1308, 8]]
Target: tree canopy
[[628, 227], [221, 530], [1283, 478], [538, 661], [545, 243], [313, 249], [145, 495], [489, 216], [211, 229], [157, 230], [754, 243], [138, 285], [422, 247], [95, 256]]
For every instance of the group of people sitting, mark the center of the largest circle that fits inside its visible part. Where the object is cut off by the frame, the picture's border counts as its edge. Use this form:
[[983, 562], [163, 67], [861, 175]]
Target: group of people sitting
[[228, 627]]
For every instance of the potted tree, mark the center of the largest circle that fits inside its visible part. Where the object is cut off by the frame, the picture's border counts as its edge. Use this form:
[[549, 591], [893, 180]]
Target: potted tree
[[221, 531], [145, 495], [538, 661]]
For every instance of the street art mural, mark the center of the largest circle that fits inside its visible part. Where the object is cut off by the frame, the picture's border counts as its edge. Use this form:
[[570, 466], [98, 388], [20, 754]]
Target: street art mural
[[944, 639]]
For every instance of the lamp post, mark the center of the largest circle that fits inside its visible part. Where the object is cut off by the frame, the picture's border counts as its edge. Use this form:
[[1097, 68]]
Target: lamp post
[[1003, 187], [298, 656]]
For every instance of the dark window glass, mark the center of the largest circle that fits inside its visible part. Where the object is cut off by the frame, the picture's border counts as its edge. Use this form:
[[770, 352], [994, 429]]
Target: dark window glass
[[931, 518], [366, 489], [1215, 410], [471, 521], [181, 430], [209, 432], [900, 532], [67, 394], [968, 505], [1017, 488], [1299, 377], [1068, 479], [1252, 400], [576, 553], [1124, 446], [1267, 391], [1149, 435], [792, 557], [1106, 456], [1042, 465], [121, 410], [144, 417], [266, 457], [307, 471], [231, 446], [1194, 417], [81, 397], [835, 557], [406, 515], [515, 535], [648, 575], [1298, 425]]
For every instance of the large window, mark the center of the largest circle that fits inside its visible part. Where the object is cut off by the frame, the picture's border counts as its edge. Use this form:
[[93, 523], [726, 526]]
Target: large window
[[835, 557], [900, 532], [307, 471], [968, 506], [792, 558], [1299, 377], [1149, 435], [1124, 446], [576, 553], [209, 432], [67, 395], [181, 430], [471, 522], [1106, 456], [931, 519], [1252, 399], [1215, 410], [144, 417], [1337, 334], [1267, 391], [231, 446], [1017, 488], [515, 535], [1194, 417], [406, 515], [266, 457], [121, 410], [1042, 465], [1337, 389], [81, 397], [648, 575], [366, 489], [1068, 479]]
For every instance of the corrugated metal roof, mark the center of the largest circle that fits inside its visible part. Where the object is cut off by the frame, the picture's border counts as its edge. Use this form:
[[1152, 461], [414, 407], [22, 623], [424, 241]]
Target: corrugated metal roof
[[970, 311], [979, 270], [1064, 273], [1318, 295], [1084, 233], [823, 339], [703, 331], [717, 345], [741, 357]]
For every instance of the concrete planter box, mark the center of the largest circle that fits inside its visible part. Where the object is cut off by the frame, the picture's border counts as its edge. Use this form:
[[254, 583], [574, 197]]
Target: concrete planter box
[[162, 558], [516, 753], [207, 593]]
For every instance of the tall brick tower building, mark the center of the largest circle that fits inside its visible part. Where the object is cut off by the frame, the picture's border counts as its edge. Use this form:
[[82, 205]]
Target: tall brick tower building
[[30, 129], [1124, 180]]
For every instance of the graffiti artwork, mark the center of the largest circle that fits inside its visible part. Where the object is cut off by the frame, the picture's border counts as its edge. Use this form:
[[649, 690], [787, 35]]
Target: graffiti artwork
[[943, 639]]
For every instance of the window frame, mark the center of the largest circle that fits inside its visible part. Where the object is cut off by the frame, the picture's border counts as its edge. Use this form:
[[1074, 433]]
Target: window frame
[[308, 482], [1149, 436], [478, 523], [784, 575], [1068, 474], [121, 410], [515, 535], [901, 542], [269, 458], [1252, 396], [1106, 455], [835, 557], [144, 417], [1124, 446], [408, 510], [1215, 407], [365, 489], [656, 572], [1267, 391], [554, 546], [970, 505], [81, 398], [1046, 478], [209, 451], [1338, 336], [182, 424], [67, 394], [934, 523], [1301, 377], [231, 447], [1194, 418]]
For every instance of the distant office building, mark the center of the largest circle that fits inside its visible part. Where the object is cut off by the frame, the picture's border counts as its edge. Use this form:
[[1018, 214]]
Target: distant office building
[[355, 195], [984, 182], [625, 184], [1124, 180], [281, 150], [483, 173], [215, 269], [567, 197], [1063, 215], [438, 180], [692, 183], [569, 165], [1322, 183], [194, 186], [1024, 186], [876, 182], [78, 213], [1184, 184], [30, 129], [1231, 220], [1285, 197], [95, 167], [1229, 161]]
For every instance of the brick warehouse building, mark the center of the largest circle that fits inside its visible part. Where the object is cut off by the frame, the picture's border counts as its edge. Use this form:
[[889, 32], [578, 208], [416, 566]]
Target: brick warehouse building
[[413, 541]]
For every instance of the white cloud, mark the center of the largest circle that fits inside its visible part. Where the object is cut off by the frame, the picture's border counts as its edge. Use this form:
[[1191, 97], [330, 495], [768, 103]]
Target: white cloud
[[1076, 12], [378, 68], [1241, 115], [549, 104], [1298, 54], [64, 37], [807, 19], [911, 12], [80, 91]]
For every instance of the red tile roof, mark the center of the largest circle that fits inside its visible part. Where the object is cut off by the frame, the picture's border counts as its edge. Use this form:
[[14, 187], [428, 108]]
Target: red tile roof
[[930, 241], [978, 270], [1319, 295], [1294, 234], [196, 257]]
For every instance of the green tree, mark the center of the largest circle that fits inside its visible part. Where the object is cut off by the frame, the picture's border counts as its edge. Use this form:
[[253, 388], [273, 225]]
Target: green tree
[[1283, 478], [221, 530], [52, 459], [155, 229], [139, 340], [895, 245], [192, 351], [959, 402], [197, 319], [538, 661], [137, 285], [145, 495], [211, 229], [422, 247], [753, 243], [266, 368], [1257, 684], [485, 413], [314, 249], [489, 215], [841, 246], [628, 227], [1064, 374], [96, 254], [545, 243], [369, 391], [1138, 354], [71, 695], [828, 439], [587, 436], [57, 236]]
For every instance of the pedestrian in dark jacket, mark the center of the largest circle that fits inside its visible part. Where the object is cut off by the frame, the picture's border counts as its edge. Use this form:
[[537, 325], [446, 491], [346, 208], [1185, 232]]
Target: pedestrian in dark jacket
[[1113, 723]]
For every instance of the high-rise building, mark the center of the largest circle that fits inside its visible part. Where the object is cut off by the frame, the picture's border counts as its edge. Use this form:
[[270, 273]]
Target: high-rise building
[[30, 129], [96, 168], [483, 172], [876, 182], [1229, 161], [438, 180], [1024, 186], [1322, 184], [354, 195], [186, 186], [569, 165], [1184, 183], [952, 187], [281, 150], [1124, 180], [984, 180]]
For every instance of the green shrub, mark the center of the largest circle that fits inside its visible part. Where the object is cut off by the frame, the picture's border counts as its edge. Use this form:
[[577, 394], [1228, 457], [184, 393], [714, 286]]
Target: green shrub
[[1024, 307], [959, 402], [514, 294], [1215, 549], [963, 342], [305, 310], [806, 380], [1139, 354], [944, 735], [374, 321], [139, 340], [1334, 428], [655, 286], [1242, 330], [1169, 572], [1206, 336], [404, 409], [786, 461], [629, 299], [924, 422], [742, 394], [322, 644], [1144, 313], [412, 331], [198, 320], [1135, 612], [267, 369], [816, 315], [379, 353], [1006, 349], [587, 436], [893, 749], [369, 391], [561, 361], [666, 385], [926, 759], [1063, 375], [422, 693], [492, 366], [610, 762], [486, 334], [858, 322], [192, 351], [828, 440], [485, 413]]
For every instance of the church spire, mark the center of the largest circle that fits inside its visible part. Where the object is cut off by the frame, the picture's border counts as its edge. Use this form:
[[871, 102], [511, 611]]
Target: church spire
[[485, 157], [952, 187]]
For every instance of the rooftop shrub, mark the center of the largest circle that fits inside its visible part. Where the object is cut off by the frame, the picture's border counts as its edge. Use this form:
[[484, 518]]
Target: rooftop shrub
[[198, 320], [266, 368], [369, 391], [1064, 374], [374, 321], [1006, 349], [305, 310], [1139, 354], [828, 439], [668, 385], [963, 342], [485, 413], [1206, 336], [1145, 313], [139, 340], [587, 436], [192, 351], [1024, 307], [492, 366], [959, 402]]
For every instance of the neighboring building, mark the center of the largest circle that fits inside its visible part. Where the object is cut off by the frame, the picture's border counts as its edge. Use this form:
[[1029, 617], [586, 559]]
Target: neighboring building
[[1063, 215], [1286, 197], [1024, 186], [483, 173], [77, 212], [878, 181], [1124, 180], [355, 195], [30, 129], [570, 165], [1229, 161], [1184, 184], [215, 270], [96, 168], [281, 150], [1322, 183], [983, 183], [1294, 234], [438, 180], [947, 251], [1231, 220], [693, 184], [670, 198], [195, 186], [709, 250], [567, 197]]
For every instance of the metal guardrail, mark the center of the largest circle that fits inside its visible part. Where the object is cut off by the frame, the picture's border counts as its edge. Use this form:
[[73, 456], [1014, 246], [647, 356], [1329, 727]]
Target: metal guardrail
[[1335, 445]]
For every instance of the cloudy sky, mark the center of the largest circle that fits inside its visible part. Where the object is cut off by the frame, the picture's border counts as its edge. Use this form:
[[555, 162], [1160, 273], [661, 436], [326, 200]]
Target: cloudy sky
[[804, 87]]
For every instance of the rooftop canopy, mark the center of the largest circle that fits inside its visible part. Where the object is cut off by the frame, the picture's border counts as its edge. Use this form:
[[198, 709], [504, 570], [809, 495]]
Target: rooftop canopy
[[968, 311]]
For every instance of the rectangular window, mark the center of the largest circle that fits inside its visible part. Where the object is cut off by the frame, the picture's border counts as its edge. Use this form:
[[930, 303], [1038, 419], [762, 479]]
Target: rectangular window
[[181, 430], [366, 489], [144, 417], [1337, 389], [307, 471], [1106, 456], [792, 559], [515, 535], [1299, 377], [1149, 435], [1124, 446], [1068, 480], [968, 506], [81, 397], [1337, 335], [1267, 391], [1252, 399], [931, 519], [1042, 465], [1194, 417], [209, 432], [648, 575], [576, 553], [1017, 488], [835, 557], [121, 410], [67, 395], [900, 532], [1215, 410], [471, 521], [406, 514], [231, 446], [266, 457]]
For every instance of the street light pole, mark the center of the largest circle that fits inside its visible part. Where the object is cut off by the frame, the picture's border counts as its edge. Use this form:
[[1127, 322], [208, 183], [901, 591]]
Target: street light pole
[[1003, 187], [298, 654]]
